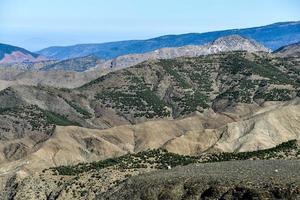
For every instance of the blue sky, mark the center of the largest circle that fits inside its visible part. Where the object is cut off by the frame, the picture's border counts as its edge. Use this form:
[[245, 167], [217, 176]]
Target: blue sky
[[35, 24]]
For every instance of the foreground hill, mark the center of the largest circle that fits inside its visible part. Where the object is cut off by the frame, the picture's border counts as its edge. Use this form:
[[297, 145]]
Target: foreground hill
[[272, 36], [228, 180], [13, 54], [140, 176]]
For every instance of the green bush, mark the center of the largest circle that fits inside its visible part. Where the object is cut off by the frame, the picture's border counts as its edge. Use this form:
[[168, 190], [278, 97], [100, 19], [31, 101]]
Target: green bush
[[54, 118]]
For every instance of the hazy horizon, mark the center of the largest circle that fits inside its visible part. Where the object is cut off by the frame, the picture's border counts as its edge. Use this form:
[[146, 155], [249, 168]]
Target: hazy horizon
[[40, 23]]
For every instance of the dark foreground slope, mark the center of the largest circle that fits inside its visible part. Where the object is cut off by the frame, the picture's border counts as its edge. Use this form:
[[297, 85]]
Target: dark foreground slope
[[148, 175], [273, 179]]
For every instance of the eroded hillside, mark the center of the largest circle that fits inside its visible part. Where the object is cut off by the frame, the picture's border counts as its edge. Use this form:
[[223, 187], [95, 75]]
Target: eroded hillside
[[232, 102]]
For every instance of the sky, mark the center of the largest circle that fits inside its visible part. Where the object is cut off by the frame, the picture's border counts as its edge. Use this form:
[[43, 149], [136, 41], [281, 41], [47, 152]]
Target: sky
[[36, 24]]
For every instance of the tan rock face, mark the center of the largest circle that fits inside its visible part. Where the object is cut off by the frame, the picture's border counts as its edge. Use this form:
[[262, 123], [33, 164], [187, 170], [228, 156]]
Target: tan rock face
[[265, 129]]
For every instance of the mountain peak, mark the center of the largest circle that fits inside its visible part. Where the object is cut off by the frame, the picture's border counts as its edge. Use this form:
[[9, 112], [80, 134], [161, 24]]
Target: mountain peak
[[230, 38], [236, 42]]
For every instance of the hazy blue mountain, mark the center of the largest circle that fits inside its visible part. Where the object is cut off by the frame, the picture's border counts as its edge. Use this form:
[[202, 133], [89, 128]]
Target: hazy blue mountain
[[8, 49], [272, 36], [13, 54]]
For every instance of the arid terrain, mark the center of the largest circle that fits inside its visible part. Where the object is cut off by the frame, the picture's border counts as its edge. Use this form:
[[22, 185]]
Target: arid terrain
[[213, 120]]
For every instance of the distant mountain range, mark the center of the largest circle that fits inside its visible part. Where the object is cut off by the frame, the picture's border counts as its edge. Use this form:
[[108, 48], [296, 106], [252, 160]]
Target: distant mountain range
[[222, 44], [13, 54], [80, 64], [272, 36]]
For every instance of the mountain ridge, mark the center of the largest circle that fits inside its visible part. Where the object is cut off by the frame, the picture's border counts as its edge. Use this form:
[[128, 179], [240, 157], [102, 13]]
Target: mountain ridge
[[292, 50], [14, 54], [283, 32], [221, 44]]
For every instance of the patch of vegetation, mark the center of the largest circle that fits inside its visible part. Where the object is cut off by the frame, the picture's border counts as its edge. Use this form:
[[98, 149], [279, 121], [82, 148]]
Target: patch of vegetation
[[31, 115], [265, 69], [236, 63], [193, 83], [190, 102], [39, 119], [246, 87], [3, 110], [279, 151], [170, 66], [241, 92], [161, 159], [57, 119], [137, 98], [274, 95], [79, 109]]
